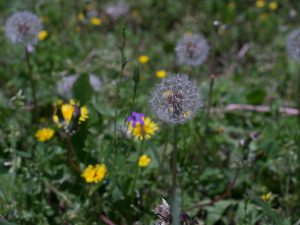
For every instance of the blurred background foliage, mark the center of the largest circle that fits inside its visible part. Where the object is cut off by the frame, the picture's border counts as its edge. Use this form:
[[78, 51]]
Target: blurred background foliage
[[38, 186]]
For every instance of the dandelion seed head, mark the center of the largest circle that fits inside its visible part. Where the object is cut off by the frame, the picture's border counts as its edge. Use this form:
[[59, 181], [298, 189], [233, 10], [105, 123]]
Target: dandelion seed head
[[23, 28], [117, 10], [192, 50], [176, 99], [293, 44]]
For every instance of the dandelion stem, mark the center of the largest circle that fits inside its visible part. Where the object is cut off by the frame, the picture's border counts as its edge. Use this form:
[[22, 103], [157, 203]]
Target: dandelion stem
[[174, 161], [32, 84], [123, 64], [211, 86], [72, 163]]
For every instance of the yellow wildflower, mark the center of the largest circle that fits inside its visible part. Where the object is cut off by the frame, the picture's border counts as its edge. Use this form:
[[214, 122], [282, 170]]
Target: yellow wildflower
[[95, 21], [94, 174], [260, 3], [161, 73], [144, 160], [84, 114], [44, 134], [273, 5], [143, 59], [67, 112], [64, 113], [267, 197], [43, 35], [80, 17], [143, 131]]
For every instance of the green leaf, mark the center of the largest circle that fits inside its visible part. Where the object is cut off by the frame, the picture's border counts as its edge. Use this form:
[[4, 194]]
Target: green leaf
[[82, 89]]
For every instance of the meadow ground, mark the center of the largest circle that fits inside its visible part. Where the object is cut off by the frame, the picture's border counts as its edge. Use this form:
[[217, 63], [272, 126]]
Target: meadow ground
[[149, 112]]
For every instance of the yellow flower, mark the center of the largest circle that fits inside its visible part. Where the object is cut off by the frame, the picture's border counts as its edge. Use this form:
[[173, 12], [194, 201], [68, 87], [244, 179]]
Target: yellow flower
[[143, 131], [67, 112], [43, 35], [273, 5], [44, 134], [143, 59], [84, 114], [260, 3], [267, 197], [94, 173], [144, 161], [161, 73], [263, 16], [80, 17], [64, 113], [95, 21]]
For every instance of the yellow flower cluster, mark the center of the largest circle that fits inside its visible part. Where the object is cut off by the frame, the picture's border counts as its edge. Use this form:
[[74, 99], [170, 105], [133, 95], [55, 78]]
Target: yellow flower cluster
[[44, 134], [67, 111], [144, 160], [143, 131], [261, 3], [94, 174]]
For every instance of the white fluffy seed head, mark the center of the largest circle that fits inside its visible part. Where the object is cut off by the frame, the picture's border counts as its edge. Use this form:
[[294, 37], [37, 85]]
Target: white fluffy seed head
[[23, 28], [176, 99], [117, 10], [192, 50], [293, 44]]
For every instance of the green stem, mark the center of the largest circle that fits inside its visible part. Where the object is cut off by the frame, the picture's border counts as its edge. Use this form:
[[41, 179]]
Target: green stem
[[211, 86], [72, 163], [174, 161], [123, 64], [32, 84]]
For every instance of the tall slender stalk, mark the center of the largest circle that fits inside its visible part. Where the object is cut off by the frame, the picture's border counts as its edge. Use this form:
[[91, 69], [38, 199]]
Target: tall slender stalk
[[123, 64], [72, 163], [174, 161], [32, 84], [211, 86]]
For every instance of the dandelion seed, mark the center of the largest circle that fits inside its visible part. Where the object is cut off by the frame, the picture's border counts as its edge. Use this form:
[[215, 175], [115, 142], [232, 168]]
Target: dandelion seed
[[117, 10], [23, 28], [43, 35], [144, 160], [144, 130], [293, 44], [44, 134], [94, 174], [161, 74], [192, 50], [143, 59], [176, 99]]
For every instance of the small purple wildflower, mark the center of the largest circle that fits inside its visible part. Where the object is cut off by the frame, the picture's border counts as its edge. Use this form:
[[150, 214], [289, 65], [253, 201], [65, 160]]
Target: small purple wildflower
[[136, 118]]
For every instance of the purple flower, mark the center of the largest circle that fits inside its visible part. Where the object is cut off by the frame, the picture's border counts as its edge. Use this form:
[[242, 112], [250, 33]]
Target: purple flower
[[136, 117]]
